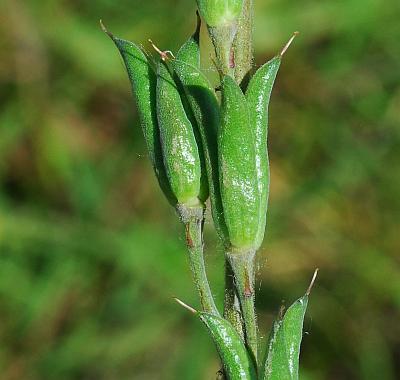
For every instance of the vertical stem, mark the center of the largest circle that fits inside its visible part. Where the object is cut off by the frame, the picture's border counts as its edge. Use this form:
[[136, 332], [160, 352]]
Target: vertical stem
[[242, 264], [193, 222], [222, 38], [243, 44], [231, 302]]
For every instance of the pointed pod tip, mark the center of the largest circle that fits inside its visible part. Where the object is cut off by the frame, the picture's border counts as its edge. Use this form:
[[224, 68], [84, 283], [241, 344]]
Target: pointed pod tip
[[165, 55], [105, 30], [187, 307], [312, 282], [283, 51]]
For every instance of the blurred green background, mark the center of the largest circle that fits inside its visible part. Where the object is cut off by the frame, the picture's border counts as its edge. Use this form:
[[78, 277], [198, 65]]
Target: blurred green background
[[90, 252]]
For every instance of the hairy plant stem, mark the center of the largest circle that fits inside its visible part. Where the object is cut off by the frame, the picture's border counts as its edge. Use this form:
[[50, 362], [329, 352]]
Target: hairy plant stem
[[222, 38], [193, 220], [242, 265], [243, 45], [232, 310]]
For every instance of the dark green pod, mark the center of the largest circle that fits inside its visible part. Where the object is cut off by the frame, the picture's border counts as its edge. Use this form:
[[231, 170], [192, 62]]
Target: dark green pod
[[235, 359], [238, 169], [282, 359], [203, 102], [179, 147], [258, 95], [143, 82]]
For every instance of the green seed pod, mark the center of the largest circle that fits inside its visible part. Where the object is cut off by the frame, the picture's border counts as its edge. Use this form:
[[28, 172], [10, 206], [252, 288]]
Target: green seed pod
[[179, 147], [143, 82], [220, 12], [237, 362], [238, 168], [203, 102], [284, 347], [258, 95], [283, 351]]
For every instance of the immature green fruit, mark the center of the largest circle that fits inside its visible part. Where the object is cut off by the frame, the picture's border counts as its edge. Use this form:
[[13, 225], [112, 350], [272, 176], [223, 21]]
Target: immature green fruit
[[179, 147], [237, 363], [219, 12], [238, 168], [203, 102], [283, 351], [258, 95], [143, 82]]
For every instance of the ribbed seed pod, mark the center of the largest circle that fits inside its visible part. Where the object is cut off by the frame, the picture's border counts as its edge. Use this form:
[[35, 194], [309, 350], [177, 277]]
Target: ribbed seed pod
[[179, 147], [203, 102], [258, 95], [143, 82], [238, 168]]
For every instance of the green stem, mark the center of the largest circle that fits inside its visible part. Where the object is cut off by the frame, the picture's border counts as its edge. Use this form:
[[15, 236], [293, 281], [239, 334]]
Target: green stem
[[243, 44], [242, 264], [222, 38], [231, 302], [193, 220]]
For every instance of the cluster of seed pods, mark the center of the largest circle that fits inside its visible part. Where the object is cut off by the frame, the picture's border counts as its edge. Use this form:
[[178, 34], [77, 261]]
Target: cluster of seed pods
[[203, 146]]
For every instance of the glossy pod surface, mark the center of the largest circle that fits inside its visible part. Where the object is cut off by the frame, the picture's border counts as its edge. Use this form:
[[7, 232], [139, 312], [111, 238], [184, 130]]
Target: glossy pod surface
[[258, 95], [179, 147], [282, 362], [203, 102], [235, 359], [219, 12], [238, 170], [143, 82]]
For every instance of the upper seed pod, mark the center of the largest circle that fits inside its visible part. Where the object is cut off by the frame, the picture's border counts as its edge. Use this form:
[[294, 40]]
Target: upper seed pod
[[143, 82], [220, 12], [258, 95], [238, 170], [204, 104], [179, 146]]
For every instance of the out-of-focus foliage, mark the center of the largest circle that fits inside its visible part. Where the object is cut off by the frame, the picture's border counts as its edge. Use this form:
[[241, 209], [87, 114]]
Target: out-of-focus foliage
[[90, 252]]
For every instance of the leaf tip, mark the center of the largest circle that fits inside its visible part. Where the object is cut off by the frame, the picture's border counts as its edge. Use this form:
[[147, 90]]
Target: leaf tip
[[187, 307], [312, 282]]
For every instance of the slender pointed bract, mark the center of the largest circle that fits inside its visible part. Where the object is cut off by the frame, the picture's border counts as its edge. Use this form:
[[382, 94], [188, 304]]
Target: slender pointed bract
[[179, 147], [258, 95], [143, 82], [203, 102]]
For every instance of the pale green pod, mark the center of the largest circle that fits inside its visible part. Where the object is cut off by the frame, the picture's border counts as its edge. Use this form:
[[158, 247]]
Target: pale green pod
[[238, 168], [283, 351], [258, 95], [203, 102], [236, 361], [219, 12], [143, 82], [282, 362], [179, 147]]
